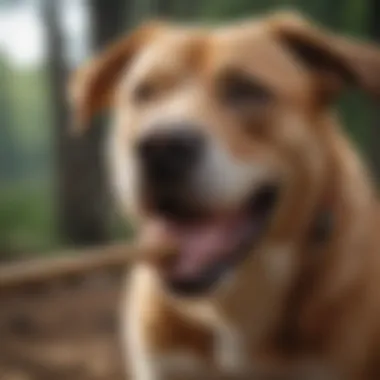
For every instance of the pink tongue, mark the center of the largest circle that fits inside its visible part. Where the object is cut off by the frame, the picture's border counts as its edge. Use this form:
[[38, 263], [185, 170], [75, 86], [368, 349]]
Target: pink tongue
[[204, 245]]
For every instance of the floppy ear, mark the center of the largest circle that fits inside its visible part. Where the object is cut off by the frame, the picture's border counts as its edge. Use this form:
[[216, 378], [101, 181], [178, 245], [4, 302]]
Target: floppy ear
[[92, 86], [336, 61]]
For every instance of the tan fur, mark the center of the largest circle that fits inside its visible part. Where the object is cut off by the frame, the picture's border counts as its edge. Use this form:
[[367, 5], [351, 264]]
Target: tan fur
[[295, 307]]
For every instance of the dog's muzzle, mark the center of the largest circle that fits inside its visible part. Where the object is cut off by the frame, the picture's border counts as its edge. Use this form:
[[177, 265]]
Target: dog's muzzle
[[168, 155]]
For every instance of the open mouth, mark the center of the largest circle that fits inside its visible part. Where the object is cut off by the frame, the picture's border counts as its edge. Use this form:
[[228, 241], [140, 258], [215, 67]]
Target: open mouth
[[210, 248]]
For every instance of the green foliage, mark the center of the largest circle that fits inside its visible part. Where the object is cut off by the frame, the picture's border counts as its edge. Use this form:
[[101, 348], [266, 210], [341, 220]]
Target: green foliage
[[27, 217], [31, 122], [228, 9]]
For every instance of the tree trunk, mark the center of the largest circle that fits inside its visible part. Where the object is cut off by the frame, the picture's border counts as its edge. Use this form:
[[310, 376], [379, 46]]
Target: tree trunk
[[83, 206], [108, 19]]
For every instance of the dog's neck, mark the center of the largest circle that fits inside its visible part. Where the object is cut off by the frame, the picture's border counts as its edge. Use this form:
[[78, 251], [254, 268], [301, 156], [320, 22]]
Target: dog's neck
[[331, 260], [335, 255]]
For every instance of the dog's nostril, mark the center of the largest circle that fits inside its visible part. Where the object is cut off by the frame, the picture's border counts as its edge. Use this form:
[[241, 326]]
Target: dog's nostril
[[179, 144], [170, 154]]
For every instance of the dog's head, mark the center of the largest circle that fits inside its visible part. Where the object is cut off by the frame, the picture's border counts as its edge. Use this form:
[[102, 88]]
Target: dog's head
[[220, 134]]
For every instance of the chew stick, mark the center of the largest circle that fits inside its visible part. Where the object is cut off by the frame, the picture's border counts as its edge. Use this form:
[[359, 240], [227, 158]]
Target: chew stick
[[90, 260]]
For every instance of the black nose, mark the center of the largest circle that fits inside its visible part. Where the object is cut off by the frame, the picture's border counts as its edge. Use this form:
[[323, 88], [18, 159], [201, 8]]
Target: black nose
[[170, 155]]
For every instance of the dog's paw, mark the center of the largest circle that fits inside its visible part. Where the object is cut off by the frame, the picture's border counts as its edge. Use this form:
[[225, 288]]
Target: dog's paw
[[230, 354]]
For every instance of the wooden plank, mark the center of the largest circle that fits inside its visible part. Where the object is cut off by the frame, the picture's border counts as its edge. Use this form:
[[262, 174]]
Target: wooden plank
[[70, 263]]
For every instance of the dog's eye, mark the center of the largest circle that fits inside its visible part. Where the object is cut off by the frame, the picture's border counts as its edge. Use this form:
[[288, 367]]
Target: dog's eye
[[239, 90], [144, 92]]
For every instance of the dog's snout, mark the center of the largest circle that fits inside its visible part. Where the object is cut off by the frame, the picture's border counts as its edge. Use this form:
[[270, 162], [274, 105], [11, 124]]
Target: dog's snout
[[171, 154]]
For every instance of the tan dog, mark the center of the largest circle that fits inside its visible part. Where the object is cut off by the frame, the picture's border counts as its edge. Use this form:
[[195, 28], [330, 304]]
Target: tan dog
[[224, 142]]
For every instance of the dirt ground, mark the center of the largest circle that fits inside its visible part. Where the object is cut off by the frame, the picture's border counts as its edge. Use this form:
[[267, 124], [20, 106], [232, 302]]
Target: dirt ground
[[65, 330]]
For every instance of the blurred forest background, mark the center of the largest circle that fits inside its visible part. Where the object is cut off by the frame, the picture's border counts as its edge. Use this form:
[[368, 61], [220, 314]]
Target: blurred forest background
[[53, 189]]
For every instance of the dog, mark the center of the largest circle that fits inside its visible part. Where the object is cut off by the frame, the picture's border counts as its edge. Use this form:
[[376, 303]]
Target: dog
[[225, 143]]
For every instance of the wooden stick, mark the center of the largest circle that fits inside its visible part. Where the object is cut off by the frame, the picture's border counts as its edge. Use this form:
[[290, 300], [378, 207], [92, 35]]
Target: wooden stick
[[67, 264]]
